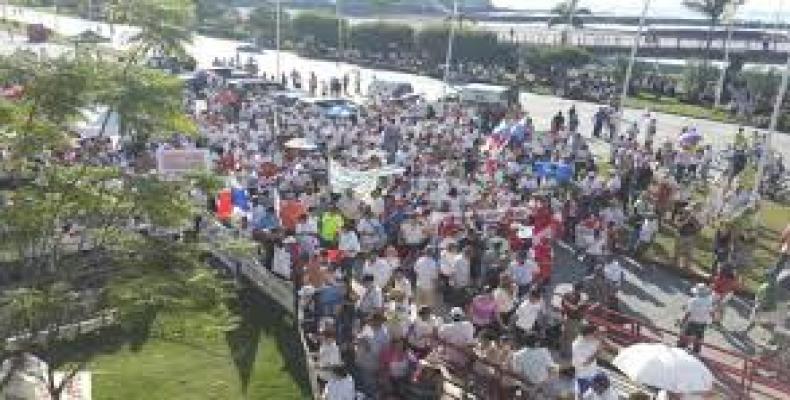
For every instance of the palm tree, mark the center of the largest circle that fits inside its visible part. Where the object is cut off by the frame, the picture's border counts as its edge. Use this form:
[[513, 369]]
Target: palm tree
[[713, 11], [567, 11]]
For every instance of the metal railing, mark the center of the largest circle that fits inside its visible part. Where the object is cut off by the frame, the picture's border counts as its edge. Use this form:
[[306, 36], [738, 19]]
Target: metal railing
[[744, 374]]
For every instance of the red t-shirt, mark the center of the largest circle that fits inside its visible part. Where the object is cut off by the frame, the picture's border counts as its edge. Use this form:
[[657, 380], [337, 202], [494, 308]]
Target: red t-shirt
[[724, 284]]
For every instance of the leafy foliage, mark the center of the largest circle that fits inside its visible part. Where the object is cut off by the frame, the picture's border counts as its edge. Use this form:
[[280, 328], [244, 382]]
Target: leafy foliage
[[122, 264], [377, 36], [320, 28], [470, 45]]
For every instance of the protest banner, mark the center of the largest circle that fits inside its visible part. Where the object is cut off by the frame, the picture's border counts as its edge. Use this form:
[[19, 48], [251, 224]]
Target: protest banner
[[362, 182]]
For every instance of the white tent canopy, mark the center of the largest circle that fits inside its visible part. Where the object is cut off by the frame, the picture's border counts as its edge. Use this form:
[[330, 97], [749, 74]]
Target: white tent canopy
[[90, 125]]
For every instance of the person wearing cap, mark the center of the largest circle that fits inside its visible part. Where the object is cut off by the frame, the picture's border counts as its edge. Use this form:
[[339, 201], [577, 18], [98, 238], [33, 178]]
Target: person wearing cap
[[456, 335], [600, 389], [698, 315]]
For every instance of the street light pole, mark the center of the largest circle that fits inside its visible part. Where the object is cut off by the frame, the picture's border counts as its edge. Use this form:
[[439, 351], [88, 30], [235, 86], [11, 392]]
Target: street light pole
[[450, 40], [631, 61]]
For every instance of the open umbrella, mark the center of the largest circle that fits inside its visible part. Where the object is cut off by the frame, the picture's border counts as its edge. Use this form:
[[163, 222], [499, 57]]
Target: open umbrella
[[301, 144], [664, 367]]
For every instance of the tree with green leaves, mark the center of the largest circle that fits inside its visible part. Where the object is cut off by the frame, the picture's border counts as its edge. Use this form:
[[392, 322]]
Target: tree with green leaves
[[318, 28], [263, 23], [566, 12], [80, 236], [371, 37], [713, 11]]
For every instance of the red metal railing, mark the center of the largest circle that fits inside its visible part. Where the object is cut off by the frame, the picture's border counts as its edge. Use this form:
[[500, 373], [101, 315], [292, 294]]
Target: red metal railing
[[738, 368]]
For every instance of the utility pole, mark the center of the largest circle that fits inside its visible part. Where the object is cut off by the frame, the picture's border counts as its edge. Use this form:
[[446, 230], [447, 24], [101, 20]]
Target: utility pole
[[450, 40], [631, 61]]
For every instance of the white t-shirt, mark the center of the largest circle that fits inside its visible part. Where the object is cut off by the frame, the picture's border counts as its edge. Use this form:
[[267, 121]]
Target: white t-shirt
[[328, 356], [420, 333], [427, 272], [700, 309], [459, 333], [461, 275], [381, 269], [527, 313], [340, 389], [533, 364], [583, 352]]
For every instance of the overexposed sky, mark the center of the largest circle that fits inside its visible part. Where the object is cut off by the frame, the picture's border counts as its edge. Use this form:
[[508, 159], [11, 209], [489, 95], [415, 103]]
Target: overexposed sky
[[766, 10]]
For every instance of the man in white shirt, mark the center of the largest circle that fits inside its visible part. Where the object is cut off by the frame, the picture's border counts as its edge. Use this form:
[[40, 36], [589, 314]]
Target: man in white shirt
[[461, 270], [372, 300], [380, 268], [422, 330], [412, 232], [699, 314], [584, 352], [348, 242], [522, 270], [532, 362], [459, 334], [427, 277], [340, 386], [528, 311]]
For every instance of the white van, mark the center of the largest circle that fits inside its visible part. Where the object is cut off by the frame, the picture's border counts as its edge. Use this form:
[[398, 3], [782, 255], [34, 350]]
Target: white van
[[482, 94], [382, 89]]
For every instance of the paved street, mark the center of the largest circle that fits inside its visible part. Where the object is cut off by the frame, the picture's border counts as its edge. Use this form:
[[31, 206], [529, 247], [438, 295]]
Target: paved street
[[651, 293]]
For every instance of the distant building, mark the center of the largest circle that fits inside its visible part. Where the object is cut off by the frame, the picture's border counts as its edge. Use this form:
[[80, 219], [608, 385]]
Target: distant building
[[400, 5]]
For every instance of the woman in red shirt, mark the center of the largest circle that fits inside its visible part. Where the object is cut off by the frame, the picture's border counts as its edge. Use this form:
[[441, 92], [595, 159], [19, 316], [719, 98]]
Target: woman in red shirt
[[544, 258], [724, 285]]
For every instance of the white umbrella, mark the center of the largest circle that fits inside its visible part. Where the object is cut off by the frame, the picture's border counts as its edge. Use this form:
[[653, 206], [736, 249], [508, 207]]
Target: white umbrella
[[301, 144], [664, 367]]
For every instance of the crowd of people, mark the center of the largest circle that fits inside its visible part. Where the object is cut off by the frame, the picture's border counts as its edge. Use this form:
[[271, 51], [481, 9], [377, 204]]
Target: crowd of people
[[422, 236]]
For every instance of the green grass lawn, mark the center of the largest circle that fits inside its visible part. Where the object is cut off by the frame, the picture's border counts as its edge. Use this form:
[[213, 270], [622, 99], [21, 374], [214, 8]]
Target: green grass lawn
[[263, 353], [674, 106], [773, 219]]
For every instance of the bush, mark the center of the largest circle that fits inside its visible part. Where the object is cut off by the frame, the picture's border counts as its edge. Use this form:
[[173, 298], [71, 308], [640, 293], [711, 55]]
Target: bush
[[470, 45], [378, 36], [542, 60], [321, 28], [697, 77]]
